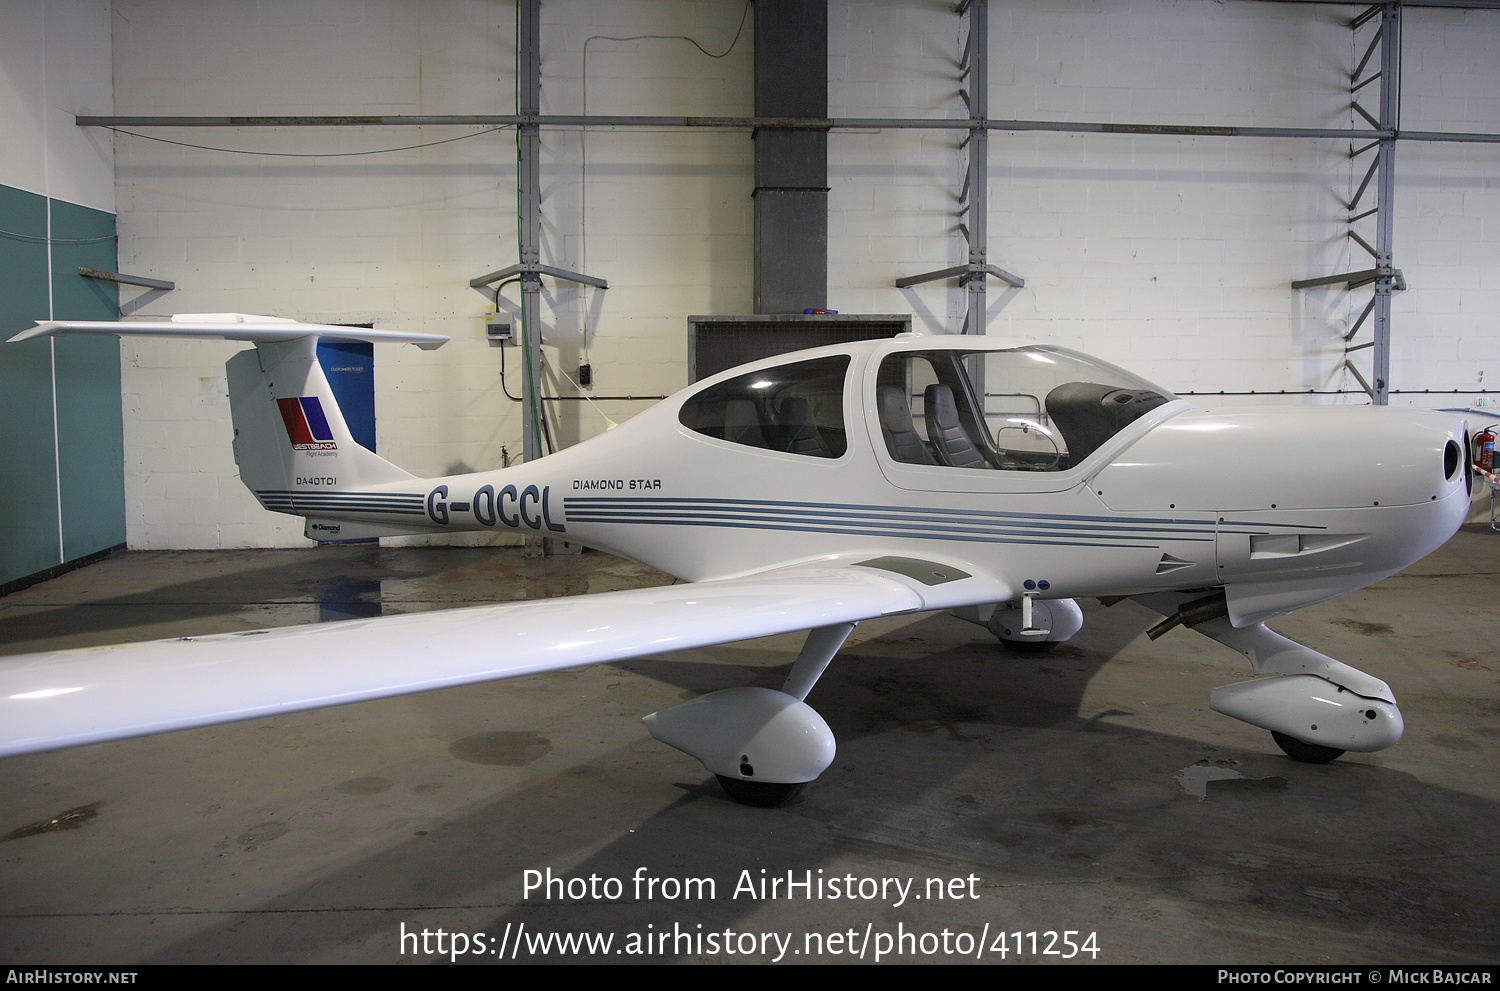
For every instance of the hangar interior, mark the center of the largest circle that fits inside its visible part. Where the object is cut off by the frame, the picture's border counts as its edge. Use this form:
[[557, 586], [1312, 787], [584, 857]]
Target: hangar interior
[[1172, 186]]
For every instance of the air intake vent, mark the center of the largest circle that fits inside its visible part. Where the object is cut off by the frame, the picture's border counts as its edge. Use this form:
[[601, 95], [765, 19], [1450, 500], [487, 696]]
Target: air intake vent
[[1169, 563]]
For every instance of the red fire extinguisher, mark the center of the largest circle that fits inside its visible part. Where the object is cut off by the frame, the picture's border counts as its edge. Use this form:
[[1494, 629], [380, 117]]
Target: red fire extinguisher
[[1484, 448]]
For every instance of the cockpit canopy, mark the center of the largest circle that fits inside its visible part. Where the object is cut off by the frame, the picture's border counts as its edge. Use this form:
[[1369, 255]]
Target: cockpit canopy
[[1033, 408], [1026, 409]]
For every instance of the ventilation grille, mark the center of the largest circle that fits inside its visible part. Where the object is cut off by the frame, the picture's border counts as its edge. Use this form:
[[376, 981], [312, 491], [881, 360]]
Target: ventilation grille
[[717, 343]]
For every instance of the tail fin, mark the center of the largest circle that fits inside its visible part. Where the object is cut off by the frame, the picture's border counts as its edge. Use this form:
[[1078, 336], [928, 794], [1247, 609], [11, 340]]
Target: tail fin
[[290, 438], [289, 433]]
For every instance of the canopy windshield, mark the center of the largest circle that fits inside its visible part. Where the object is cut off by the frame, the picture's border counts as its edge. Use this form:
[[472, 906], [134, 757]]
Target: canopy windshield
[[1028, 409]]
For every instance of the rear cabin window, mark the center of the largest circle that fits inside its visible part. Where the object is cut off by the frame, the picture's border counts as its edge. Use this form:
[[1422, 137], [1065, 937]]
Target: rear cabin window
[[1029, 409], [797, 408]]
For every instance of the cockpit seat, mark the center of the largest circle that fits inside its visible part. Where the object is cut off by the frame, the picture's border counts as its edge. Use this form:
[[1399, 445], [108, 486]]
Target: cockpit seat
[[799, 435], [901, 438], [742, 423], [953, 445]]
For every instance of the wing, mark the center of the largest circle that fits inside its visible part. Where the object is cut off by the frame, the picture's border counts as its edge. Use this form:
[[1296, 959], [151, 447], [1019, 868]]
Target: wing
[[68, 698]]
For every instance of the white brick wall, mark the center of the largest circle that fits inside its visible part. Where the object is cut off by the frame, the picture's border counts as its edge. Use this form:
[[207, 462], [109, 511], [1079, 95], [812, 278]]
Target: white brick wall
[[1173, 256], [395, 238], [56, 61]]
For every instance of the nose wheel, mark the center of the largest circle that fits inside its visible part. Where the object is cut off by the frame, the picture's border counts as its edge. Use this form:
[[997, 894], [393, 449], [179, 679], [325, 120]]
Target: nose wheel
[[1308, 753]]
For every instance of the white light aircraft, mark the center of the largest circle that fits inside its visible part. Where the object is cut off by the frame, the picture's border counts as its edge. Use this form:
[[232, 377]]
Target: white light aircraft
[[994, 479]]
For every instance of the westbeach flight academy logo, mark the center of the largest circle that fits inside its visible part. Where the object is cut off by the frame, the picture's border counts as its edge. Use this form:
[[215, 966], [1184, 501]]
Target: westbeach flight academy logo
[[306, 426]]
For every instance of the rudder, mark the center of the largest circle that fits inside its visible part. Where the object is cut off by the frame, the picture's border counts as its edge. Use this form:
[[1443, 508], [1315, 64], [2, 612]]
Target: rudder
[[290, 437]]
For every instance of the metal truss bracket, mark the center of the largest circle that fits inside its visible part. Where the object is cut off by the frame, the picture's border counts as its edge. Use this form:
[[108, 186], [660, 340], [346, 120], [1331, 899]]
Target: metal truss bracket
[[1353, 280], [1369, 390], [965, 274], [126, 280], [482, 284]]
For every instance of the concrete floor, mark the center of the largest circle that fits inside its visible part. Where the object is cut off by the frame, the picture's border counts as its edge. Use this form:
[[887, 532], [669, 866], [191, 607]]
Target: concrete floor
[[1088, 790]]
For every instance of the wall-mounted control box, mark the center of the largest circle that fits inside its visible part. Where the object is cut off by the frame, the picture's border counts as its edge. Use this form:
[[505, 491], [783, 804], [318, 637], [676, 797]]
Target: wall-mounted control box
[[497, 329]]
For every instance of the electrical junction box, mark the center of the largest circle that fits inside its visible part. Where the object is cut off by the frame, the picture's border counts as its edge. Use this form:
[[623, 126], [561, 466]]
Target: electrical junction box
[[497, 329]]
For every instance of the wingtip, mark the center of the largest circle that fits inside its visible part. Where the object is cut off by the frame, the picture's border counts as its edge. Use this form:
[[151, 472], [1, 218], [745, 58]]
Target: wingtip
[[43, 328]]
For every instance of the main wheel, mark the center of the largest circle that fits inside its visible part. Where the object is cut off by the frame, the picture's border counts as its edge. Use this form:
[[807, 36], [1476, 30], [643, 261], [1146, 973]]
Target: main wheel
[[761, 794], [1029, 646], [1308, 753]]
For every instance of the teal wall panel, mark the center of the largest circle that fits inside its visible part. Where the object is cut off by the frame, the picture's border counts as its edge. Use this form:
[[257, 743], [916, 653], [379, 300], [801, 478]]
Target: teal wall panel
[[90, 435], [37, 529], [29, 538]]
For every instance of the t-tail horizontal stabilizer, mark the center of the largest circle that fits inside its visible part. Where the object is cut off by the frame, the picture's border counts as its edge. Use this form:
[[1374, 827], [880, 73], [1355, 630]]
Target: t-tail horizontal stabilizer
[[230, 327]]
